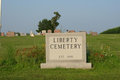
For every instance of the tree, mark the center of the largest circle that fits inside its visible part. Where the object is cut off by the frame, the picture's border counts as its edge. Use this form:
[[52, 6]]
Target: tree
[[49, 24], [55, 18], [45, 25]]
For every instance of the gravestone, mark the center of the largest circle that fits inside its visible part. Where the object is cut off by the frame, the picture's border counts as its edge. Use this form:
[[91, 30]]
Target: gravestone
[[39, 33], [94, 33], [20, 33], [23, 34], [80, 31], [16, 34], [32, 34], [66, 50], [90, 32], [2, 34], [10, 34], [43, 32], [49, 31], [72, 31], [67, 31], [85, 32], [57, 31]]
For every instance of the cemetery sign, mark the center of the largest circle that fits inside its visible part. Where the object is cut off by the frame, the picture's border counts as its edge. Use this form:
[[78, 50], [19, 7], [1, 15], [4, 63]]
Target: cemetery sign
[[66, 50]]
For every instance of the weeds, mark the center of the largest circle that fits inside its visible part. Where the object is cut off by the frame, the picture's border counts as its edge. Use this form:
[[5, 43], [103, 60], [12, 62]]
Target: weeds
[[33, 56], [26, 57], [102, 58]]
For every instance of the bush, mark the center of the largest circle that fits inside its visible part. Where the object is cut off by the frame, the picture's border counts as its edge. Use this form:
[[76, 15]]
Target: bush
[[112, 31], [28, 34]]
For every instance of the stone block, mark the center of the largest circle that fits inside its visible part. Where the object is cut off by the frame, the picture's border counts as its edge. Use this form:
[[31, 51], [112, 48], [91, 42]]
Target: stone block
[[66, 65]]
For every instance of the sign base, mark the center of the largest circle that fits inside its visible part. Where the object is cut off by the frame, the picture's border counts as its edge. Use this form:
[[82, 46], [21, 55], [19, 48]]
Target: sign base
[[66, 65]]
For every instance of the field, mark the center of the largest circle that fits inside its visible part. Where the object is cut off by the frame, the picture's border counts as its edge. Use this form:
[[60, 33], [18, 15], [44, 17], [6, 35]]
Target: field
[[108, 70]]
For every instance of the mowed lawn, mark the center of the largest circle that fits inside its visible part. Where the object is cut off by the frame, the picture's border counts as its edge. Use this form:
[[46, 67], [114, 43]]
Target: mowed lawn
[[112, 40]]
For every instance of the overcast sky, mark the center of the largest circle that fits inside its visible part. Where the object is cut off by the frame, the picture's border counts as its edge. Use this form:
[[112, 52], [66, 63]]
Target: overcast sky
[[79, 15]]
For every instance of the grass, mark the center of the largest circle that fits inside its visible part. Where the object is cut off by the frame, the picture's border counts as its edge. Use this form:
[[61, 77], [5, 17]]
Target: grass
[[107, 70]]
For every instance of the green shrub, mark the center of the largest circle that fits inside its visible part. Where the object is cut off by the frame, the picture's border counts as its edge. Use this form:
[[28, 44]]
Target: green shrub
[[112, 31], [28, 34]]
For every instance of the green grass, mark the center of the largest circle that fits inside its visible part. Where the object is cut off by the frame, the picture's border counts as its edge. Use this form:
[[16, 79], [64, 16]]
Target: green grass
[[109, 69], [112, 40]]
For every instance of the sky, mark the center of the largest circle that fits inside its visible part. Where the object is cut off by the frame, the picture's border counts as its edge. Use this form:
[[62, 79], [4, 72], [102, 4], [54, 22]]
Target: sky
[[79, 15]]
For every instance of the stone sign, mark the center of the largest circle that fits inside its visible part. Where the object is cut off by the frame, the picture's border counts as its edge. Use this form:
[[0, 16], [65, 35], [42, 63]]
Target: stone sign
[[66, 50], [57, 31], [10, 34]]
